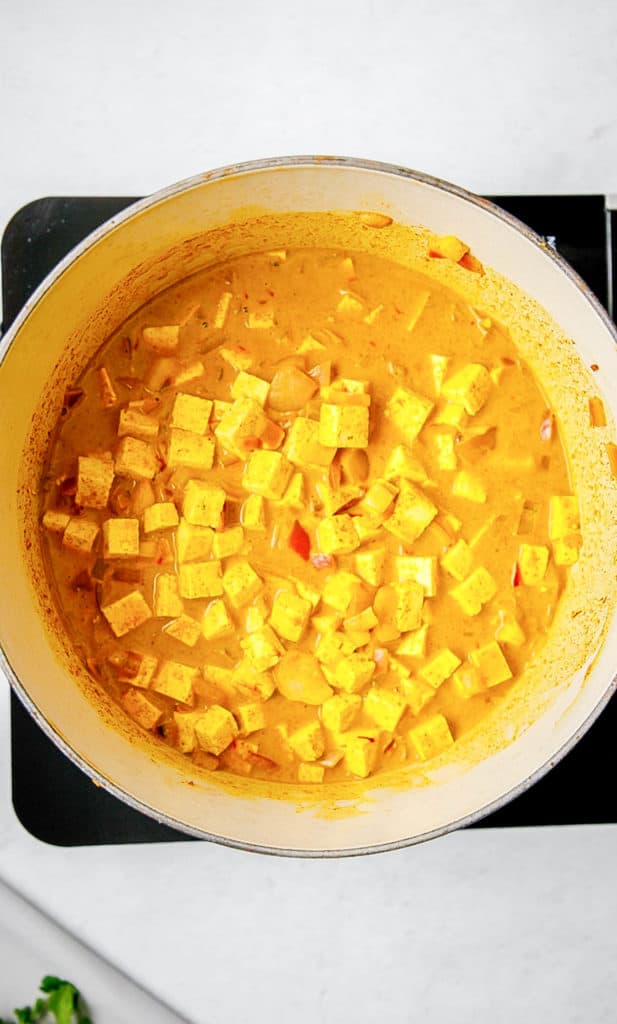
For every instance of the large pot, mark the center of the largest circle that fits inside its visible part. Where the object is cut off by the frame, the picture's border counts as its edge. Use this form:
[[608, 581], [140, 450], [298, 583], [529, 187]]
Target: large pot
[[180, 230]]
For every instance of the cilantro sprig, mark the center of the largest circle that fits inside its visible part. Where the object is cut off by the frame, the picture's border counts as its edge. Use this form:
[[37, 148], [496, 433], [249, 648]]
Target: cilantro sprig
[[61, 1002]]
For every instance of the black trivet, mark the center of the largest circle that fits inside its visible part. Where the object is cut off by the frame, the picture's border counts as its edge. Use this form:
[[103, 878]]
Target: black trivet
[[52, 798]]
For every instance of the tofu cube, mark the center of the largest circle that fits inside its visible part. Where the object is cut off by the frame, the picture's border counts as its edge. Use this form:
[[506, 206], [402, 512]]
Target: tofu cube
[[412, 513], [361, 622], [565, 551], [95, 476], [127, 613], [256, 615], [176, 681], [457, 560], [135, 423], [441, 444], [251, 718], [439, 369], [439, 668], [402, 464], [367, 529], [470, 387], [353, 672], [241, 583], [241, 426], [192, 450], [216, 622], [343, 426], [509, 632], [336, 535], [216, 730], [475, 591], [307, 742], [121, 538], [193, 543], [450, 415], [294, 496], [369, 565], [221, 311], [338, 712], [333, 646], [431, 738], [408, 411], [413, 644], [384, 707], [261, 320], [491, 664], [467, 681], [290, 615], [247, 385], [167, 601], [185, 725], [138, 670], [311, 773], [532, 563], [302, 446], [141, 709], [136, 459], [55, 521], [163, 340], [79, 535], [450, 247], [340, 590], [416, 694], [203, 503], [187, 372], [163, 515], [378, 499], [185, 630], [361, 755], [191, 413], [227, 542], [261, 649], [200, 579], [249, 681], [267, 473], [421, 568], [409, 602], [563, 517], [467, 485]]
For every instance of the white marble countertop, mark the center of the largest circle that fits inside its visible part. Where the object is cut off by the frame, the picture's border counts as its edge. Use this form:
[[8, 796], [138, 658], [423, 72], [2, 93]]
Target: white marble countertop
[[485, 926]]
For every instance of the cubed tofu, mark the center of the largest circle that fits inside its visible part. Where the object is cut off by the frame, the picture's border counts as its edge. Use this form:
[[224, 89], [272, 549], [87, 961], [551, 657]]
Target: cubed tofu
[[176, 681], [369, 565], [203, 503], [412, 513], [200, 579], [402, 464], [384, 707], [163, 515], [442, 446], [475, 591], [307, 742], [253, 513], [350, 305], [361, 754], [260, 320], [450, 415], [326, 622], [247, 385], [457, 560], [343, 426], [311, 773], [340, 590], [79, 535], [413, 644], [338, 712], [431, 738], [336, 535], [290, 615], [267, 473], [470, 387], [167, 601], [184, 629], [221, 311], [361, 622], [195, 451], [193, 543], [216, 730], [294, 496], [491, 664], [163, 340], [252, 683], [469, 486], [216, 622], [251, 718], [56, 521], [127, 613], [307, 592], [416, 693], [509, 632], [256, 615], [408, 411], [185, 725], [333, 646], [532, 563], [261, 649], [95, 475], [563, 517], [439, 668], [421, 568], [409, 603], [302, 445], [227, 542], [367, 529], [241, 426], [187, 371], [191, 413], [136, 459], [353, 672], [138, 670], [121, 538], [135, 423], [450, 247], [467, 681], [241, 583], [378, 499], [439, 369], [565, 551], [334, 498], [141, 709]]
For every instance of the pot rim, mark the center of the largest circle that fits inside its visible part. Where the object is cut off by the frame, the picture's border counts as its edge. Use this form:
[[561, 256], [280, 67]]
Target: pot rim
[[247, 168]]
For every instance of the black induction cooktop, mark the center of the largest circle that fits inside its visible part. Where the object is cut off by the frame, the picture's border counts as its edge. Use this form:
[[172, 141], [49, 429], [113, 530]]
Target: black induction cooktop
[[52, 798]]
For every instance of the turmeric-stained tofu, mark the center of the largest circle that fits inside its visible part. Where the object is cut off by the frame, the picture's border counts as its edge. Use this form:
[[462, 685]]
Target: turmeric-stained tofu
[[475, 591], [370, 564], [227, 542], [416, 693], [409, 602], [241, 427], [135, 423], [378, 499], [563, 516], [302, 445], [184, 722], [56, 521], [196, 451], [408, 411], [290, 615], [136, 459], [402, 464], [421, 568], [413, 644], [261, 320], [141, 709], [267, 473], [442, 446], [336, 535], [469, 486], [241, 583], [184, 629], [216, 622], [458, 560], [439, 369], [491, 664], [251, 683], [163, 515], [294, 496], [439, 668], [203, 503], [127, 613], [431, 738], [176, 681], [353, 672], [79, 535], [467, 681], [191, 413], [413, 512], [253, 513], [361, 753], [384, 707], [311, 773], [565, 551], [216, 729], [247, 385], [200, 579], [221, 311], [509, 632], [256, 615], [361, 621], [343, 426], [338, 712], [471, 387], [138, 670], [95, 475], [262, 649], [250, 717], [307, 742], [193, 543], [340, 590], [167, 601], [333, 646], [121, 538], [163, 340], [532, 563]]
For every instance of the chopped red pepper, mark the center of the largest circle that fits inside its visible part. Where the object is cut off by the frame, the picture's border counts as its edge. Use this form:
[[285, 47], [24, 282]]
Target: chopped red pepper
[[300, 542], [250, 444], [434, 255], [517, 578], [471, 262]]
